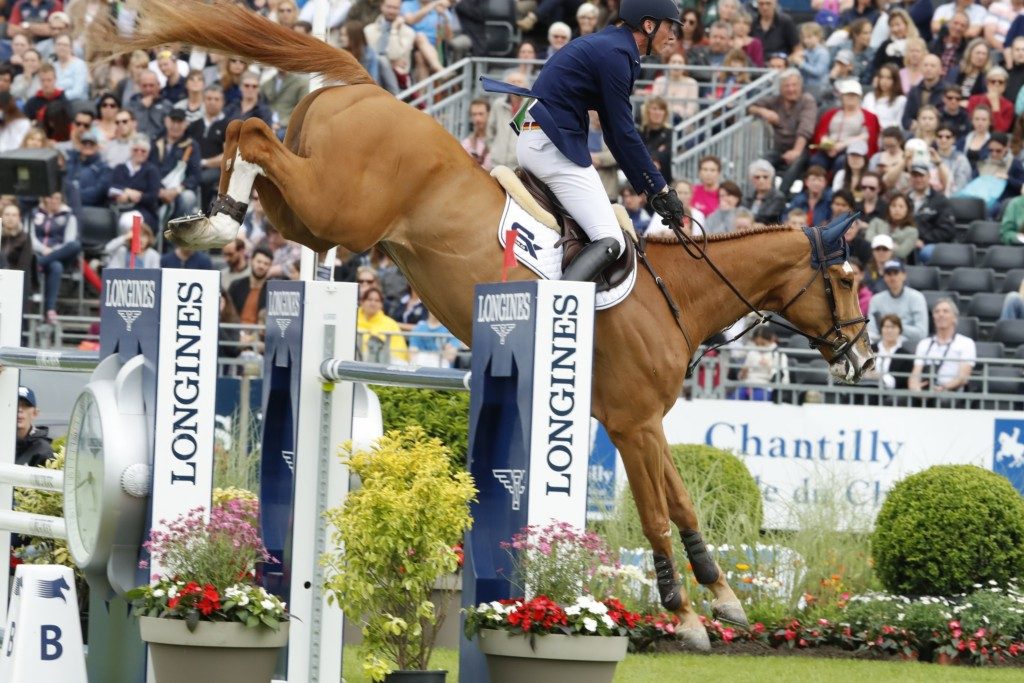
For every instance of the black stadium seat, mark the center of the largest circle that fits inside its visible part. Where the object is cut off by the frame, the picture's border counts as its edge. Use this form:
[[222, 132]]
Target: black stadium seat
[[968, 326], [989, 349], [1010, 332], [967, 209], [950, 255], [1012, 280], [1005, 379], [922, 277], [1004, 257], [97, 227], [971, 280], [983, 233], [988, 306]]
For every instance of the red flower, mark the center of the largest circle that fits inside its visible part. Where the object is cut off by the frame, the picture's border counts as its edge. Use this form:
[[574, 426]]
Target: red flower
[[758, 628], [980, 633], [210, 602], [728, 635], [802, 643], [173, 602], [790, 634]]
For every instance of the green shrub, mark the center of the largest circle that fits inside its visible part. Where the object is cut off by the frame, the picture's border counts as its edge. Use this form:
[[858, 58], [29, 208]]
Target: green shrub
[[443, 415], [942, 530], [727, 499]]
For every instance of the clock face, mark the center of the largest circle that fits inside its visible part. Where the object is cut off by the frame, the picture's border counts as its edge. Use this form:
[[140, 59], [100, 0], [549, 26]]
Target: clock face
[[88, 470]]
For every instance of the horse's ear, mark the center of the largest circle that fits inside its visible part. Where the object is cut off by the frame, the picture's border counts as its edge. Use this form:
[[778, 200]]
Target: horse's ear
[[835, 230]]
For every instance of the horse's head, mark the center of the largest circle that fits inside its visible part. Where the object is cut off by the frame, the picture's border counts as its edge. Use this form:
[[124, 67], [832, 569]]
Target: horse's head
[[827, 307]]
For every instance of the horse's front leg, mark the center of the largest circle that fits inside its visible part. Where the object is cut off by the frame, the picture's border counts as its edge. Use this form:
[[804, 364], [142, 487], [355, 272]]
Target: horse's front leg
[[725, 606], [227, 211], [643, 449]]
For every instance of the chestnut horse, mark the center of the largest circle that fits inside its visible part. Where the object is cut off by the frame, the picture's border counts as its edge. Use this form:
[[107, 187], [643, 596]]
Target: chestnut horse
[[359, 167]]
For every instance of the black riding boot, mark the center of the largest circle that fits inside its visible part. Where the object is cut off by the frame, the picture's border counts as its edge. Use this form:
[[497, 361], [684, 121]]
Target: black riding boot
[[593, 259]]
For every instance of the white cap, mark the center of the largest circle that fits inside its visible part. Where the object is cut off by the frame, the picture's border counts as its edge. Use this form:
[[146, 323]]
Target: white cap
[[882, 241], [849, 86]]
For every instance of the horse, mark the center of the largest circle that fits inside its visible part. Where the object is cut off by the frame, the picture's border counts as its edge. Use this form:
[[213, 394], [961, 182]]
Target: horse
[[358, 167]]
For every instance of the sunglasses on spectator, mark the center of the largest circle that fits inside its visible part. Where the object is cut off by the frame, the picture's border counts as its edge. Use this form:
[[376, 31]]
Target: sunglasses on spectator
[[951, 97], [873, 188], [124, 121], [995, 81], [82, 124], [250, 85]]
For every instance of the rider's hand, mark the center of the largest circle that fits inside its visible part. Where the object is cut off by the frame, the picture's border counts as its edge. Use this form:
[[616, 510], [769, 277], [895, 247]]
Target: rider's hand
[[668, 205]]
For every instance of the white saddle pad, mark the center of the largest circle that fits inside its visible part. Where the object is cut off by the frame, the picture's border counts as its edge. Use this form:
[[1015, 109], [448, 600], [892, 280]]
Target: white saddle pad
[[535, 249]]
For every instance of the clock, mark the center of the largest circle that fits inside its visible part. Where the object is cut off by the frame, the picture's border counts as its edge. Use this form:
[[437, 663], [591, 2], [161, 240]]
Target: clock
[[106, 457]]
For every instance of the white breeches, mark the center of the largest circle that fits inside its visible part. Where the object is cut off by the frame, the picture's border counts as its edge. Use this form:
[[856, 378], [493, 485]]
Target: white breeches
[[579, 189]]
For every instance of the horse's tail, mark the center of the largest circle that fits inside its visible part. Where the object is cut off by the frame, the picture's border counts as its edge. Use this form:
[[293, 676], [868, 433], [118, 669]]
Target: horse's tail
[[223, 26]]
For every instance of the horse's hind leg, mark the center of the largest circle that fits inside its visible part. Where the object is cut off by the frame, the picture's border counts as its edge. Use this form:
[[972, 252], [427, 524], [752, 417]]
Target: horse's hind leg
[[726, 606], [644, 452]]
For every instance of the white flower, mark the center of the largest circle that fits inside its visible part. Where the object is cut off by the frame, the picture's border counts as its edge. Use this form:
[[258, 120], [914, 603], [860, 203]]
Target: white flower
[[573, 611], [608, 621], [172, 591], [589, 624], [267, 604], [158, 592]]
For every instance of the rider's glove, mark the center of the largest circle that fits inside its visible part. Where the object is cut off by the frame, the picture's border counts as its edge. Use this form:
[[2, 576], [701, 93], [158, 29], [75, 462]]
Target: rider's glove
[[669, 206]]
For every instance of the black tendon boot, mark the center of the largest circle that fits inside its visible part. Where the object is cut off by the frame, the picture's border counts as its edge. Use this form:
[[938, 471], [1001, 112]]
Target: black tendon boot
[[668, 587]]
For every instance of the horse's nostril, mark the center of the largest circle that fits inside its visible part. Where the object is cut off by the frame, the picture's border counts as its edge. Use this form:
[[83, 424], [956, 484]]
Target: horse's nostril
[[868, 365]]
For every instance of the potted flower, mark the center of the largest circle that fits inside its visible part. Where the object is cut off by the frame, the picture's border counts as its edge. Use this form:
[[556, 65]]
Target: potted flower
[[400, 532], [205, 618], [559, 632]]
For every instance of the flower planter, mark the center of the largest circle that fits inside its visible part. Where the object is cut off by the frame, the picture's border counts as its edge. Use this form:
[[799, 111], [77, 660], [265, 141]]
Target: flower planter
[[436, 676], [215, 651], [566, 659]]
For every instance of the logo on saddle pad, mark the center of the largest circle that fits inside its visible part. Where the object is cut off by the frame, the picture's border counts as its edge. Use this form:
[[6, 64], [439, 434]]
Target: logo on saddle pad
[[129, 317], [526, 239], [515, 482], [1008, 451]]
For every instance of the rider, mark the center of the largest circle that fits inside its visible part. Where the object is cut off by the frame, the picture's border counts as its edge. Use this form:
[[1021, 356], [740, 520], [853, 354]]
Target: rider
[[595, 72]]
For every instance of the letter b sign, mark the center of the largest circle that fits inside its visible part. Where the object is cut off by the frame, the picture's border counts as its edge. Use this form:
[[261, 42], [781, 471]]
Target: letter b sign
[[49, 643]]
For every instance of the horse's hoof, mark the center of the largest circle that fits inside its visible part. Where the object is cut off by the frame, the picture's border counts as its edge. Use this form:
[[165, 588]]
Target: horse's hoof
[[198, 232], [695, 639], [731, 612]]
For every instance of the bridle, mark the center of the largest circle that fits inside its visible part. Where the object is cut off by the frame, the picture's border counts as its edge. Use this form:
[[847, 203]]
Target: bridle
[[833, 336]]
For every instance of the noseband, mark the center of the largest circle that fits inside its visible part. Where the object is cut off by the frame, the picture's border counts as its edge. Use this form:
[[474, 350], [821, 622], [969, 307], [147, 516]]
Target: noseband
[[833, 337]]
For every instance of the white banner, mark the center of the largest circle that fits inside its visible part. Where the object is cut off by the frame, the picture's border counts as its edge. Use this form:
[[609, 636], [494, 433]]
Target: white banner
[[800, 453], [562, 370]]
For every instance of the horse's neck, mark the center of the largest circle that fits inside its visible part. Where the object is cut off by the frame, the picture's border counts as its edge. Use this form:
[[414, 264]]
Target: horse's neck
[[759, 265]]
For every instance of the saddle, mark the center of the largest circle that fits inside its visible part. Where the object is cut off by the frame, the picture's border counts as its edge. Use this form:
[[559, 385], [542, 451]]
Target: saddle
[[573, 238]]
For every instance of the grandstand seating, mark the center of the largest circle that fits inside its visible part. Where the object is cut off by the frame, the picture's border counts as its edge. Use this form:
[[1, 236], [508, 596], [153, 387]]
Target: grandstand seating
[[923, 277], [966, 210], [951, 255], [988, 349], [987, 306], [983, 233], [968, 325], [931, 296], [1012, 280], [1010, 332], [968, 281], [1003, 257]]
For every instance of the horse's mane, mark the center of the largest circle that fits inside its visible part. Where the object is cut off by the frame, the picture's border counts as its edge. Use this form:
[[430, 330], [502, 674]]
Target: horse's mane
[[664, 237], [223, 26]]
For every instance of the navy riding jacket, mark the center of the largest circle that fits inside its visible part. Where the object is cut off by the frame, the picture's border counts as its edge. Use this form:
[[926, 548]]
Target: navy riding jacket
[[593, 72]]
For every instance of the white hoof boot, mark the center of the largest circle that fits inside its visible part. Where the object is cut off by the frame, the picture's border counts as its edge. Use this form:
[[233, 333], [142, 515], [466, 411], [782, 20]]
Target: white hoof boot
[[731, 612], [695, 639], [198, 232]]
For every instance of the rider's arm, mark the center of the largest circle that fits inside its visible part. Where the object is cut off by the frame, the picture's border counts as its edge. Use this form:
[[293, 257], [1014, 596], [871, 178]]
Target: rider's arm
[[619, 130]]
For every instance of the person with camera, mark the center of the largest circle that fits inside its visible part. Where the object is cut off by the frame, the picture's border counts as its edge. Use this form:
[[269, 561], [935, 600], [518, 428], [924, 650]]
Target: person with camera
[[596, 72], [944, 360]]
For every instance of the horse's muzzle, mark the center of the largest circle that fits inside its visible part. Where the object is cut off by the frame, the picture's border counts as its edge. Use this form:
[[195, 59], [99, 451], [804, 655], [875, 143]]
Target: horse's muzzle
[[851, 366]]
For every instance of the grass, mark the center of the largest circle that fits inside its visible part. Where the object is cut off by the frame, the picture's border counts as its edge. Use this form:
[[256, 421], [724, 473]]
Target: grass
[[664, 668]]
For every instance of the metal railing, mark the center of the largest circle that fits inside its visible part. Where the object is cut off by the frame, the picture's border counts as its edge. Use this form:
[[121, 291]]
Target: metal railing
[[995, 383], [721, 127]]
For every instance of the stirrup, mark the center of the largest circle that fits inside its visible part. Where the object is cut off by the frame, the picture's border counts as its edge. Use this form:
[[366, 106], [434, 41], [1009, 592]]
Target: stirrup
[[593, 259]]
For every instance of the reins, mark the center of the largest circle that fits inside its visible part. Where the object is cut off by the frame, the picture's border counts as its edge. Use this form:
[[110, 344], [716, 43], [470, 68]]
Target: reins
[[697, 250]]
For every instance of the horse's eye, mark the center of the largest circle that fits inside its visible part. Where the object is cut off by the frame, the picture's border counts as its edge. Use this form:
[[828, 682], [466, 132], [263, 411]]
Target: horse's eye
[[846, 282]]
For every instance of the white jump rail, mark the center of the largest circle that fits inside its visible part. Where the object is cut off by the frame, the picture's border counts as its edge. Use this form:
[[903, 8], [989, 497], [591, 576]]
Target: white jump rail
[[25, 522]]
